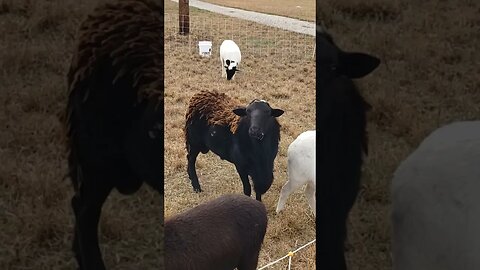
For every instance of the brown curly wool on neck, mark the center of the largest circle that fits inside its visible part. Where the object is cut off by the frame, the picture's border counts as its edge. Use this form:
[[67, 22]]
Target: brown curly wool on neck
[[216, 108]]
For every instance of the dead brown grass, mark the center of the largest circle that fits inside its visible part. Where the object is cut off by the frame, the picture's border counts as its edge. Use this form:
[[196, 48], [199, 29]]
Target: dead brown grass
[[428, 77], [299, 9], [289, 85], [36, 221]]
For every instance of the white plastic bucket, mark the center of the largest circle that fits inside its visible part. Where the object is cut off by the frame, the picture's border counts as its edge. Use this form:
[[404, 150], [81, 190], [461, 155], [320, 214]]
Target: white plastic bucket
[[205, 48]]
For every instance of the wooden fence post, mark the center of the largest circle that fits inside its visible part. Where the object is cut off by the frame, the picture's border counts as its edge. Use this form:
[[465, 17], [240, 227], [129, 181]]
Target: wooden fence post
[[183, 17]]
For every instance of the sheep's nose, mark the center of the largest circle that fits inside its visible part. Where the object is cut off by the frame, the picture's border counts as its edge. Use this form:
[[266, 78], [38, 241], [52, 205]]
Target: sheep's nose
[[256, 133], [254, 130]]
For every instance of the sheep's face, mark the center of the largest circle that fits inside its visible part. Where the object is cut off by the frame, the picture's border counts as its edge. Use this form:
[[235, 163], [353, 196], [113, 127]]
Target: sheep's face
[[261, 115], [231, 68], [334, 62]]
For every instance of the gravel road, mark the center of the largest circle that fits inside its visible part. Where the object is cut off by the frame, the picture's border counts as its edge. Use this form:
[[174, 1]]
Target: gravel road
[[285, 23]]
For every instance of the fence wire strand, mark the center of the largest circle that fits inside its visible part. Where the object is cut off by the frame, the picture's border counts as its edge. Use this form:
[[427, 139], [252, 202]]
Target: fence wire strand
[[289, 255]]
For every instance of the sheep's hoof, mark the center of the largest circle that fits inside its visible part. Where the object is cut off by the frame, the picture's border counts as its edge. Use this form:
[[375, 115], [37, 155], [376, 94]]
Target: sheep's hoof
[[197, 190]]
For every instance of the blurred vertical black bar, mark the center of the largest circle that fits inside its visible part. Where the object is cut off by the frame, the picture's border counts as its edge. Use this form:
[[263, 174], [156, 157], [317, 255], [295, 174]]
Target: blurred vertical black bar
[[319, 229], [329, 193]]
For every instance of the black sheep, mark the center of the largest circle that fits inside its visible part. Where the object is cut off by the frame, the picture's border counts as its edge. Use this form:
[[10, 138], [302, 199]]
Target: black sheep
[[342, 142], [114, 113], [248, 137]]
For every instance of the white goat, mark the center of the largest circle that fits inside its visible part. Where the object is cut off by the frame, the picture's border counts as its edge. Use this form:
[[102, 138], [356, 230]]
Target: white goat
[[436, 202], [230, 57], [301, 169]]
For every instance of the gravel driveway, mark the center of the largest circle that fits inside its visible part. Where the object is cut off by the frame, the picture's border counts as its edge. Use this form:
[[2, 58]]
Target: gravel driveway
[[285, 23]]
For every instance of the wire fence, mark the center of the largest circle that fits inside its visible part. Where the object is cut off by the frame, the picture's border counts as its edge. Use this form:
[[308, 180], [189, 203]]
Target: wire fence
[[252, 38], [256, 41], [289, 256]]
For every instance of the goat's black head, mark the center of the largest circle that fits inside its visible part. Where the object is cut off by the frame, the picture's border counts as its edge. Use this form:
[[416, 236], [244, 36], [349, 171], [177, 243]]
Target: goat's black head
[[260, 114], [335, 62]]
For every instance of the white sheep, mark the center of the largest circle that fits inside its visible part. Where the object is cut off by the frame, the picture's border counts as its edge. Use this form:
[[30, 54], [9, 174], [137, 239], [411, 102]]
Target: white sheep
[[301, 169], [436, 202], [230, 57]]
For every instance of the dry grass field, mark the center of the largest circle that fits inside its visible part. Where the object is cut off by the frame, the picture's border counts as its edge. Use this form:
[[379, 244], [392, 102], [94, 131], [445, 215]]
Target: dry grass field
[[286, 80], [36, 221], [429, 76], [298, 9]]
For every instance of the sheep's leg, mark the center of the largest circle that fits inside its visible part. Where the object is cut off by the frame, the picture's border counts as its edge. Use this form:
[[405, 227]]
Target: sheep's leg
[[76, 245], [284, 193], [224, 72], [331, 230], [289, 187], [258, 196], [331, 251], [310, 194], [192, 173], [87, 206], [247, 189], [76, 178]]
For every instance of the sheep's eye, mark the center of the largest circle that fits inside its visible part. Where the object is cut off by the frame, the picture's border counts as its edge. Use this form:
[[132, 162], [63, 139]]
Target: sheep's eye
[[333, 68]]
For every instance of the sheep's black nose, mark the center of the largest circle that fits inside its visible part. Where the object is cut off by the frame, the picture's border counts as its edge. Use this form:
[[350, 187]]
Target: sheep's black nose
[[254, 129], [256, 133]]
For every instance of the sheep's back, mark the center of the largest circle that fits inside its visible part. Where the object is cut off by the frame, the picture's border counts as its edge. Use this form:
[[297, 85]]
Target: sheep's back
[[214, 107], [301, 157], [127, 36], [229, 47], [217, 231], [434, 198]]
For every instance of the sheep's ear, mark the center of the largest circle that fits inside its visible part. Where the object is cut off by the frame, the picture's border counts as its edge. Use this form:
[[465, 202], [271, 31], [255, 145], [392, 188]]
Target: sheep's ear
[[276, 112], [240, 111], [357, 65]]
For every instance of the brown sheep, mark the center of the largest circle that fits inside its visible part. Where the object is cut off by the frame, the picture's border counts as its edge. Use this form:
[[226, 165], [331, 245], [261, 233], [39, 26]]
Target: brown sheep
[[114, 113], [222, 234], [247, 136]]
